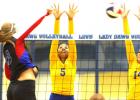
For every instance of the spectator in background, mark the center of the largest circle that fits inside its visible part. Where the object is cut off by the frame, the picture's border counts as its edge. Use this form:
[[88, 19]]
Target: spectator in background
[[97, 97]]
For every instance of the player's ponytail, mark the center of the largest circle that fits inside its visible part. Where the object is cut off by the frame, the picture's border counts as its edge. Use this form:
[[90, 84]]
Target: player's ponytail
[[6, 31]]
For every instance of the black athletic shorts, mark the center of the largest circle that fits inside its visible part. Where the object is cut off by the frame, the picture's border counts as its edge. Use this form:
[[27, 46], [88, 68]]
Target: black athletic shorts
[[21, 90]]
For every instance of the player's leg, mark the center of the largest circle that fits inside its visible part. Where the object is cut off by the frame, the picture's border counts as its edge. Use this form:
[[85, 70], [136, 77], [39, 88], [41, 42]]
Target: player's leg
[[9, 92], [25, 90]]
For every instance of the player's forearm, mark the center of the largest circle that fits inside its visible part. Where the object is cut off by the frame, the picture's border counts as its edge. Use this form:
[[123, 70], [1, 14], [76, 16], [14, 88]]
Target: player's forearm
[[57, 26], [71, 26], [72, 43], [130, 52], [54, 44], [126, 28]]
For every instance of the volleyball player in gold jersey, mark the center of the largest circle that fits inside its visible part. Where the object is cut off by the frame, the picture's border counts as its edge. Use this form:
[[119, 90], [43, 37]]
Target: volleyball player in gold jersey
[[63, 57], [133, 62]]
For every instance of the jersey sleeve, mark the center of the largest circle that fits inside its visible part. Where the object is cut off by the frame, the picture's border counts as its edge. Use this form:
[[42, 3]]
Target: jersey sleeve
[[72, 44], [130, 51], [7, 71], [54, 44]]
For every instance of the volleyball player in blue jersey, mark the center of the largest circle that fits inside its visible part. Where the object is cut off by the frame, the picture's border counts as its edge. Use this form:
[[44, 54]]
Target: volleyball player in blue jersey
[[19, 68]]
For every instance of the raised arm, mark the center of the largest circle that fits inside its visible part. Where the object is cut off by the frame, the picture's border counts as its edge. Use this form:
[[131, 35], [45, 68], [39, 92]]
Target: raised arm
[[31, 28], [54, 45], [72, 44], [130, 51]]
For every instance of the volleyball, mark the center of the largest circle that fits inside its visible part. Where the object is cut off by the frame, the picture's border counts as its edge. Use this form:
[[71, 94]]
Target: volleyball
[[113, 12]]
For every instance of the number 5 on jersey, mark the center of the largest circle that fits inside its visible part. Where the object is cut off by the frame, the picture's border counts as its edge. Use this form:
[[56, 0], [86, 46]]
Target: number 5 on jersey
[[63, 72]]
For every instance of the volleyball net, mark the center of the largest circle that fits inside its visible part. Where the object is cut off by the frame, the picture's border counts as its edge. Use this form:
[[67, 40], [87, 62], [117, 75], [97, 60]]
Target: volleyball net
[[102, 67]]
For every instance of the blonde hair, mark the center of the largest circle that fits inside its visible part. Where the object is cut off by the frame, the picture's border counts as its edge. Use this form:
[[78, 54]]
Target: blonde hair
[[6, 31], [97, 97]]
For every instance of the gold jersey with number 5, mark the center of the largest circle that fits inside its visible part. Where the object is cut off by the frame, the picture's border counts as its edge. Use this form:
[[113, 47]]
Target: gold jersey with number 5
[[63, 74]]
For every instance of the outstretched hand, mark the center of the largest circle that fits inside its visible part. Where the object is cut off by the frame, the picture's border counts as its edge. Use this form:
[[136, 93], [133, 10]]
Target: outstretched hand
[[124, 11], [56, 11], [49, 11], [72, 11]]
